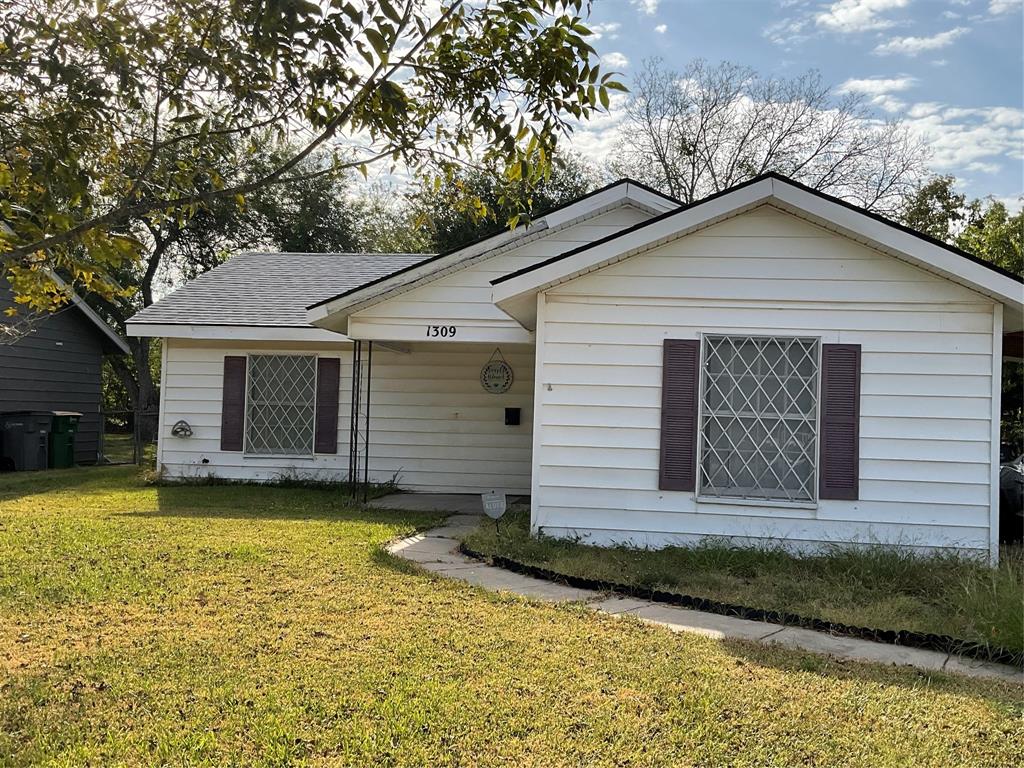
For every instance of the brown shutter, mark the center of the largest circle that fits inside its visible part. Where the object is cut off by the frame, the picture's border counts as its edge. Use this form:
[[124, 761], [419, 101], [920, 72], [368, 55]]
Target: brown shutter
[[232, 413], [328, 381], [840, 421], [679, 388]]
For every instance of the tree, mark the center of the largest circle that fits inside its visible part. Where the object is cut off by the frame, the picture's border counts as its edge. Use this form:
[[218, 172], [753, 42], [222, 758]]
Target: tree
[[935, 208], [982, 227], [710, 127], [994, 235], [387, 222], [93, 96], [985, 229], [313, 213], [480, 201]]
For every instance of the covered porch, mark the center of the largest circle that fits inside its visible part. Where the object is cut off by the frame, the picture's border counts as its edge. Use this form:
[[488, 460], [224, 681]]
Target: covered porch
[[425, 416]]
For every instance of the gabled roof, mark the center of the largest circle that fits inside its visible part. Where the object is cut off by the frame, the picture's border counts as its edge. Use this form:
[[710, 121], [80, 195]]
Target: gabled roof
[[267, 290], [332, 312], [111, 340], [514, 293]]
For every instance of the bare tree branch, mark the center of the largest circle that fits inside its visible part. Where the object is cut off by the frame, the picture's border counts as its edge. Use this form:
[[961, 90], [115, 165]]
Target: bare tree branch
[[707, 128]]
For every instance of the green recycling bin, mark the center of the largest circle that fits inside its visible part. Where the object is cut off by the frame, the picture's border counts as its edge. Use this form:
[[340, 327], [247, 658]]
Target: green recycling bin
[[62, 439]]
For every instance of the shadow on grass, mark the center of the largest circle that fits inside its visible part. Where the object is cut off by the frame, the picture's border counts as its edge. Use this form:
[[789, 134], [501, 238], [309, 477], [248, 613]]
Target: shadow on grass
[[95, 479], [248, 502]]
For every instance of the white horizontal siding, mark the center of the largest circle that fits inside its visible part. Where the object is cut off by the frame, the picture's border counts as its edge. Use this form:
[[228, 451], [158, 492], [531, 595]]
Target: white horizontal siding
[[193, 392], [431, 423], [925, 405], [463, 298]]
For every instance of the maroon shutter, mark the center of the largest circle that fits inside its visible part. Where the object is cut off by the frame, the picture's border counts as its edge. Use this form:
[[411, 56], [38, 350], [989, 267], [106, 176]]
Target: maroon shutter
[[679, 388], [232, 412], [328, 381], [840, 421]]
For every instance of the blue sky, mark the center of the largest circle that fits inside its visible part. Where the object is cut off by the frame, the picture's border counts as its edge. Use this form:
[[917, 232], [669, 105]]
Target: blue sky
[[952, 69]]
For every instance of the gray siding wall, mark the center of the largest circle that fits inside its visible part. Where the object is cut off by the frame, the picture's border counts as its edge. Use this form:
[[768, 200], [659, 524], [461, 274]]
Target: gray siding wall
[[56, 368]]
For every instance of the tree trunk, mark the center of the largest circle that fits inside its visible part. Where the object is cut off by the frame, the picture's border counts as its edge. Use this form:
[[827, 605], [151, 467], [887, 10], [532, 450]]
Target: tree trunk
[[147, 397]]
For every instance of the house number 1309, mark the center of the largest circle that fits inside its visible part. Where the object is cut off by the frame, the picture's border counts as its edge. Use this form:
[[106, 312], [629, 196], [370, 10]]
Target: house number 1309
[[444, 331]]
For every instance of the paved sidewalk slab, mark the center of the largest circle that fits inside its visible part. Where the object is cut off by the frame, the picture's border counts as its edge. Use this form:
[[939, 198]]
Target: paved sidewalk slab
[[858, 650], [437, 551], [708, 624], [447, 568], [507, 581], [427, 546]]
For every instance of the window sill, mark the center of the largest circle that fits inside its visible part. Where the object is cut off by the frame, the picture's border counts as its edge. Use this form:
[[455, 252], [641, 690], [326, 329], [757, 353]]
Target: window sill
[[725, 500], [279, 456]]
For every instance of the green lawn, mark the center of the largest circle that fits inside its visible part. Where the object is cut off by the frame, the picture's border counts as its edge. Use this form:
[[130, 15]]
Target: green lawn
[[879, 589], [231, 625]]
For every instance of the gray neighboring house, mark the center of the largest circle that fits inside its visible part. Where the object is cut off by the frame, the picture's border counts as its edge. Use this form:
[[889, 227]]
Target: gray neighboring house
[[57, 367]]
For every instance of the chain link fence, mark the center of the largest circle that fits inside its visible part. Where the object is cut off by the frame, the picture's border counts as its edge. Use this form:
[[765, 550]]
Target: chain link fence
[[129, 437]]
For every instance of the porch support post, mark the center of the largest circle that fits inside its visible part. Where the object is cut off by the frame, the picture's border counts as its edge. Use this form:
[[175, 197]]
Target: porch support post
[[366, 431], [353, 422]]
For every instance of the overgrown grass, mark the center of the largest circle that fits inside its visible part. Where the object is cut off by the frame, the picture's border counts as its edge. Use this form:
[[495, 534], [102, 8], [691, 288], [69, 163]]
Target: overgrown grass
[[876, 588], [256, 626]]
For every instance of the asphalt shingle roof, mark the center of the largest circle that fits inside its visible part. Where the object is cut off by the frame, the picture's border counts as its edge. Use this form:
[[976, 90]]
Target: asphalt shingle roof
[[271, 289]]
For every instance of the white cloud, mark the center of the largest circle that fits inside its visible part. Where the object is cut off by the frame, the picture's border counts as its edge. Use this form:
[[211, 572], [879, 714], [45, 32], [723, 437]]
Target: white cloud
[[839, 16], [966, 140], [858, 15], [879, 90], [999, 7], [877, 86], [1013, 203], [911, 46], [650, 7], [661, 29], [609, 30], [615, 59], [787, 32]]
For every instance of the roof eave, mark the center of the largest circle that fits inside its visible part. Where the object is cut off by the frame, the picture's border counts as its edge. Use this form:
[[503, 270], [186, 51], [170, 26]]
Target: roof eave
[[199, 331]]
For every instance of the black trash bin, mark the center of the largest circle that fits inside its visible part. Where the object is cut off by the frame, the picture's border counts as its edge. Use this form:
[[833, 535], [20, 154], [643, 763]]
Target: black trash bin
[[26, 436]]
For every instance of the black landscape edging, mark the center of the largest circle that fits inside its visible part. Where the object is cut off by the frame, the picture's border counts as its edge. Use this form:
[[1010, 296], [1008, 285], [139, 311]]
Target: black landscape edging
[[902, 637]]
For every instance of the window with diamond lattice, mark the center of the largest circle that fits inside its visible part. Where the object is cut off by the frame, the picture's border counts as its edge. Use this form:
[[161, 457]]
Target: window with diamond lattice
[[759, 418], [280, 405]]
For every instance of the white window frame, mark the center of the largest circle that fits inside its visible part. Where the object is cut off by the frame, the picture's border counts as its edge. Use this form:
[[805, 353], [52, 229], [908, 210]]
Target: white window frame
[[810, 504], [247, 422]]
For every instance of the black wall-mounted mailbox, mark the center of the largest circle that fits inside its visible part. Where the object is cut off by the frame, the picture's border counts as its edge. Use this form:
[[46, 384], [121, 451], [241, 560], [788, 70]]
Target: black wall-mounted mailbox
[[512, 417]]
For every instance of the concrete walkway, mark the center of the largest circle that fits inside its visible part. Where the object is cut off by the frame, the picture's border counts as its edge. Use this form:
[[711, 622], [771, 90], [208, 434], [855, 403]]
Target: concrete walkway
[[437, 551]]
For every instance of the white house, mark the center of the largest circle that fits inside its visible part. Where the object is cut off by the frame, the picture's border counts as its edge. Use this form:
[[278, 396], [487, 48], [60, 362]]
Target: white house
[[769, 363]]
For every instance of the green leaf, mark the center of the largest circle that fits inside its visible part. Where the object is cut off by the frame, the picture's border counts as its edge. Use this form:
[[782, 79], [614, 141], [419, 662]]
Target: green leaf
[[390, 11], [380, 46]]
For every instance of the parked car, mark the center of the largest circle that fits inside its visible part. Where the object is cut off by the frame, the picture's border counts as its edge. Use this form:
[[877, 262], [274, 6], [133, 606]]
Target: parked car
[[1011, 500]]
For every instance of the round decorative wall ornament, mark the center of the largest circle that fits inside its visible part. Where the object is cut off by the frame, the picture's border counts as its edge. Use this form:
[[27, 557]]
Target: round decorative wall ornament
[[496, 375]]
